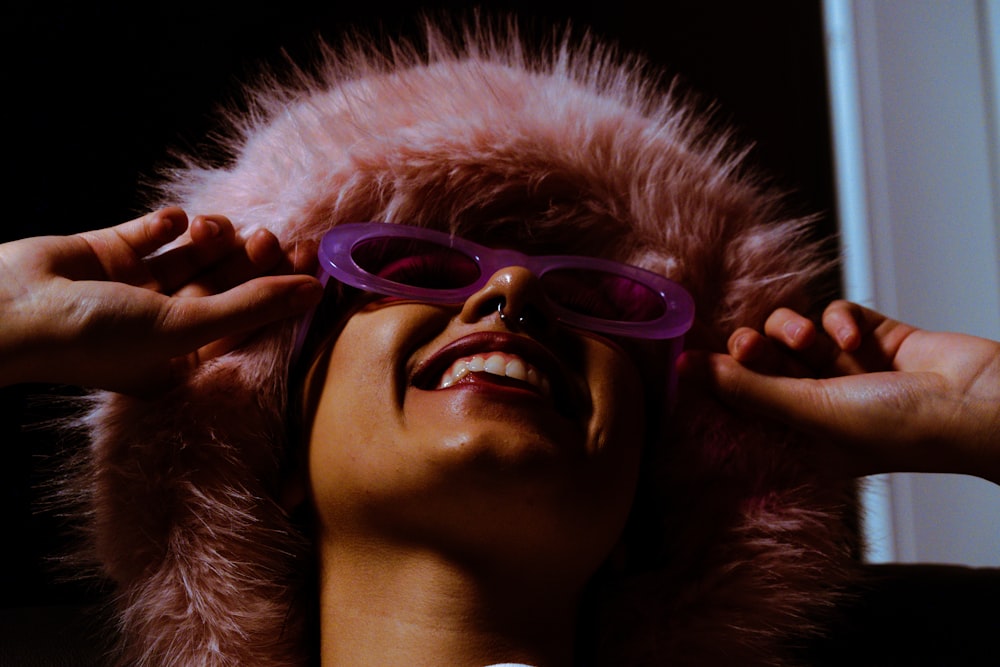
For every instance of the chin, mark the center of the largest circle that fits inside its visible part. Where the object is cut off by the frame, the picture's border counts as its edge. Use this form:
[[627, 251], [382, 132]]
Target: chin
[[475, 424]]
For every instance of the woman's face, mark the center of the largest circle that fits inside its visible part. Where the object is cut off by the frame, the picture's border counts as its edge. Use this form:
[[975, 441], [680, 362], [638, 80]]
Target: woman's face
[[484, 434]]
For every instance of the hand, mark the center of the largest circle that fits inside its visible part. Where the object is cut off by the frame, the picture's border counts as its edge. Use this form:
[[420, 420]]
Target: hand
[[890, 396], [99, 309]]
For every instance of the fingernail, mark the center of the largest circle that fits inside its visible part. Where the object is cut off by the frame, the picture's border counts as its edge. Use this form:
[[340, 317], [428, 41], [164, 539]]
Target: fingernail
[[163, 225], [793, 330], [212, 225], [267, 248], [740, 343], [845, 337]]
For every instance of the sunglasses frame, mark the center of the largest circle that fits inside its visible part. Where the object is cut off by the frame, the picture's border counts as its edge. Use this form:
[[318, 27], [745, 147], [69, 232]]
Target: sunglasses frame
[[336, 261]]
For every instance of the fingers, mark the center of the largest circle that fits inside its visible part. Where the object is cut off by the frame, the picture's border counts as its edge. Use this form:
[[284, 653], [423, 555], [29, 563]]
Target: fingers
[[891, 398], [217, 259], [264, 251], [150, 232], [124, 251], [802, 403], [206, 229], [790, 345], [756, 351], [849, 431], [792, 330], [747, 346], [869, 339], [841, 321], [213, 260], [193, 322], [120, 250], [774, 396], [261, 254], [213, 239]]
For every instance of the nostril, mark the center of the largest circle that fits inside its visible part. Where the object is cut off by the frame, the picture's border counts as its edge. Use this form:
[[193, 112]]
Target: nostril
[[529, 318], [512, 295], [510, 319], [496, 304]]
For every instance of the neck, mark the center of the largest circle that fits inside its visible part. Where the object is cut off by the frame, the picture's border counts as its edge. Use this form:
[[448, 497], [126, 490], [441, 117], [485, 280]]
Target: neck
[[382, 605]]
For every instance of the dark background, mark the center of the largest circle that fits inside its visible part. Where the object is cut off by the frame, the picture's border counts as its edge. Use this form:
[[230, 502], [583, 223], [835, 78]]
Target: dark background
[[94, 94]]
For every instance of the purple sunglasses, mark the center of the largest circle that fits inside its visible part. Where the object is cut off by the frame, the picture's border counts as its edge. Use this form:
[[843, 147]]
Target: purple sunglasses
[[424, 265]]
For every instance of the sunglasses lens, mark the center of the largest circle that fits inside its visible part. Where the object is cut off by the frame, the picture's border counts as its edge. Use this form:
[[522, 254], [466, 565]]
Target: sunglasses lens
[[604, 295], [415, 263]]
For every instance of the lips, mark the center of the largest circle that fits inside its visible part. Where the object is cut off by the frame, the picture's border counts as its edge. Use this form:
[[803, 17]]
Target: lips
[[502, 359], [499, 365]]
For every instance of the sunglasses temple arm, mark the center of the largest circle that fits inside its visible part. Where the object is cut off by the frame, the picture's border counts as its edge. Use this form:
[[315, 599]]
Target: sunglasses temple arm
[[676, 346], [305, 323]]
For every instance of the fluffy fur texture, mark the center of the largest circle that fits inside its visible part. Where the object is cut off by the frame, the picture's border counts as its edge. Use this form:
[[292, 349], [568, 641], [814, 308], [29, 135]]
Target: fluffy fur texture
[[744, 543]]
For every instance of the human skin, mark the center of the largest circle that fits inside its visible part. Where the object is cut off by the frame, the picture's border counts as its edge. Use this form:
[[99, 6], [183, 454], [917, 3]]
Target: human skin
[[102, 309], [881, 395], [460, 525]]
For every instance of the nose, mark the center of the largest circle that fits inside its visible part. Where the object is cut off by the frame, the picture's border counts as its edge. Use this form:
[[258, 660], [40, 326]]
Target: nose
[[513, 294]]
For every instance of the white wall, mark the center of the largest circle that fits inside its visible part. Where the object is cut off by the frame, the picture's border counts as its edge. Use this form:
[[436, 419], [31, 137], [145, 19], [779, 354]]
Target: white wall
[[914, 86]]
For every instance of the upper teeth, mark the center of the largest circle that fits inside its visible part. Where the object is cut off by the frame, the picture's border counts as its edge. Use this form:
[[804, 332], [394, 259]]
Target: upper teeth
[[496, 364]]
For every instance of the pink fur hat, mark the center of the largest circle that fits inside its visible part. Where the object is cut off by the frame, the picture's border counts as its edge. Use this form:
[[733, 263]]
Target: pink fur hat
[[575, 146]]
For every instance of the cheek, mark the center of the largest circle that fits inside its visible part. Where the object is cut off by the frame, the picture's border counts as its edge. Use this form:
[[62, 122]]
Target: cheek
[[618, 398], [617, 431], [355, 406], [354, 383], [381, 457]]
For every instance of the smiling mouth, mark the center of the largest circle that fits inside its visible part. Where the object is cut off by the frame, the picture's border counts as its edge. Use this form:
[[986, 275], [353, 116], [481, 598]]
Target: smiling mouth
[[503, 360], [496, 364]]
